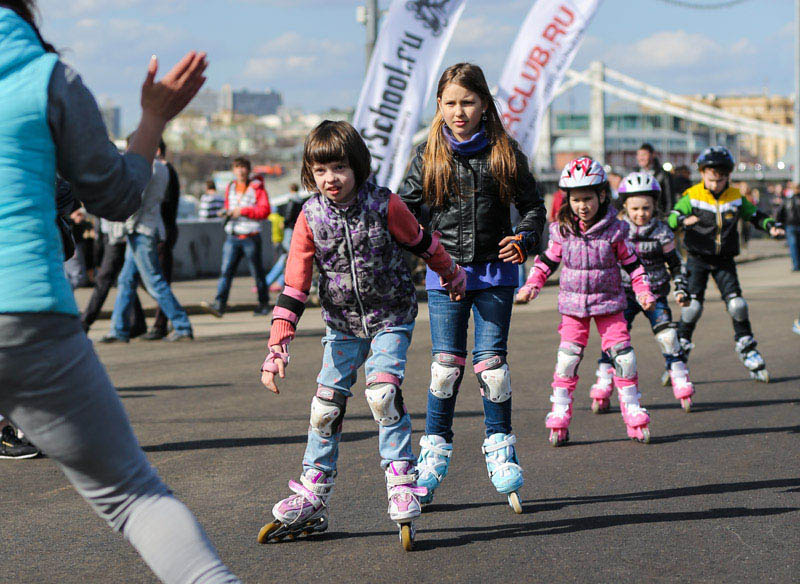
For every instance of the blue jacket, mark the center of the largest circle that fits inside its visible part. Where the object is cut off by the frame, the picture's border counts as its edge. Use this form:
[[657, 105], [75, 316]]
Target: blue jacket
[[31, 272]]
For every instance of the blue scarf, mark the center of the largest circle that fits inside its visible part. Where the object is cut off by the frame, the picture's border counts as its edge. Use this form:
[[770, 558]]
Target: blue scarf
[[478, 142]]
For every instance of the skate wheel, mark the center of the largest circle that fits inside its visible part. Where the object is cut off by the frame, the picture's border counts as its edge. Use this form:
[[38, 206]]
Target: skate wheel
[[686, 404], [665, 380], [764, 376], [263, 535], [645, 439], [514, 502], [559, 436], [406, 537], [596, 409]]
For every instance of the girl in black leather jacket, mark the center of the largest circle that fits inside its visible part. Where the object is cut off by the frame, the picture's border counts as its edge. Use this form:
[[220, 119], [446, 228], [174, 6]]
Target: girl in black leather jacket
[[468, 174]]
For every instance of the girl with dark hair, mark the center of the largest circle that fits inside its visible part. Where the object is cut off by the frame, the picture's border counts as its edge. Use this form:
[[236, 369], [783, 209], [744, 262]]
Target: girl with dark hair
[[468, 173], [592, 243], [355, 233], [52, 385]]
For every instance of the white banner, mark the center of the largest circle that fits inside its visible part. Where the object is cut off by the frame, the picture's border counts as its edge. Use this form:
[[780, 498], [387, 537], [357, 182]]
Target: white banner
[[402, 72], [542, 53]]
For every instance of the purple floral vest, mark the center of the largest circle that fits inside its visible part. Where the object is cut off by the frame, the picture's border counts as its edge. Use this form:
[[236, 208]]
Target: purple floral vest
[[590, 280], [649, 241], [364, 284]]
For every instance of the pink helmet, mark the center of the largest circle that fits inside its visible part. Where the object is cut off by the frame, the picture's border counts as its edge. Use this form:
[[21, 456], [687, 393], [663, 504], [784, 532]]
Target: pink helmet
[[582, 172], [639, 183]]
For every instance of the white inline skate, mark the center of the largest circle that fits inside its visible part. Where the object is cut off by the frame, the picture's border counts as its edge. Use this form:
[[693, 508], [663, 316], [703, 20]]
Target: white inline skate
[[403, 493], [304, 513], [752, 359], [682, 388], [503, 467], [602, 389]]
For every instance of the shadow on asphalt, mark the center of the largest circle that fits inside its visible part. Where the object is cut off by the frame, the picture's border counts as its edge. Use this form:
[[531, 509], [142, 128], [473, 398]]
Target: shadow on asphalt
[[711, 406], [171, 387], [739, 379], [243, 442], [469, 535], [655, 439]]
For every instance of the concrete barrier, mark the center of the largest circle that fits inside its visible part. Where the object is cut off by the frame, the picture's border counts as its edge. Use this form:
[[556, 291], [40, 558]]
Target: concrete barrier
[[198, 252]]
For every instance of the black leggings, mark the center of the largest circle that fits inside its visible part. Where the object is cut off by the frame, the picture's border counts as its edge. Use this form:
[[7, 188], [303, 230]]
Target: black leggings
[[723, 270]]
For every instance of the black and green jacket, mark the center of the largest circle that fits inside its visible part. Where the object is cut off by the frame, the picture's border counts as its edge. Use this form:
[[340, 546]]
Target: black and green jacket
[[715, 234]]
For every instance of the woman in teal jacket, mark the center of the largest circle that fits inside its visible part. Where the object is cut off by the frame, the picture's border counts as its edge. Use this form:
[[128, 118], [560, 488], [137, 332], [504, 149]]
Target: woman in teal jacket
[[52, 384]]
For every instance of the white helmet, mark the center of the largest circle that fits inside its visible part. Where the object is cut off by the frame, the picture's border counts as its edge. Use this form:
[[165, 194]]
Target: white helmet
[[582, 172], [639, 183]]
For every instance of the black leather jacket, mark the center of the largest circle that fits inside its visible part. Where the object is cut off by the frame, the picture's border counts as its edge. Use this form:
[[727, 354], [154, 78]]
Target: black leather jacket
[[471, 226]]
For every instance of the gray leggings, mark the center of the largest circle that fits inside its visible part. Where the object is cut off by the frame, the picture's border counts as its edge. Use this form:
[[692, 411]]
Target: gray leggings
[[54, 388]]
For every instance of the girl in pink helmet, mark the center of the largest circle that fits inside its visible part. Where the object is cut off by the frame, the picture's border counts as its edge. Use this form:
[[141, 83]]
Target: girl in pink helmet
[[592, 244]]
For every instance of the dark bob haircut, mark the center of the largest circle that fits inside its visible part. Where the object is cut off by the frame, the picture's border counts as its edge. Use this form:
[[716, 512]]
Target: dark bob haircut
[[334, 142]]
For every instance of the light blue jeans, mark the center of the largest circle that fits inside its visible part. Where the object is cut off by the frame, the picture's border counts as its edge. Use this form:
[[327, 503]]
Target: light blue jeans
[[343, 355], [56, 391], [141, 261]]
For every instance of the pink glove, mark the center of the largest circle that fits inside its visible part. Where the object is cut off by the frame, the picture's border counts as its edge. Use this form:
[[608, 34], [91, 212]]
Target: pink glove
[[270, 363], [456, 281]]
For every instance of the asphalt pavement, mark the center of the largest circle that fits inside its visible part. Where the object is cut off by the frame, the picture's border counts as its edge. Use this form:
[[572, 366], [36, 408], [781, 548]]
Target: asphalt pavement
[[715, 497]]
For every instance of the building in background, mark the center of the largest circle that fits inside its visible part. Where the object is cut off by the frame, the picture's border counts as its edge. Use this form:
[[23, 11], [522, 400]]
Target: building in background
[[776, 109], [112, 118]]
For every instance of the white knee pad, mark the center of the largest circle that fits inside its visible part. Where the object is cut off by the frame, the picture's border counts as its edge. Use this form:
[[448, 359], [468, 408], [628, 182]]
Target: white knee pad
[[624, 361], [691, 314], [446, 373], [568, 359], [494, 379], [737, 308], [668, 340], [385, 399], [327, 411]]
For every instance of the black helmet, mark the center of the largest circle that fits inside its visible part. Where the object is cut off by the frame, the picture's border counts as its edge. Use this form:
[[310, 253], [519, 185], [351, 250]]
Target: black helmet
[[716, 157]]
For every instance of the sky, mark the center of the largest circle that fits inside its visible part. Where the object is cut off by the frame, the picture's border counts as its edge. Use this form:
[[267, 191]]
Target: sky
[[313, 52]]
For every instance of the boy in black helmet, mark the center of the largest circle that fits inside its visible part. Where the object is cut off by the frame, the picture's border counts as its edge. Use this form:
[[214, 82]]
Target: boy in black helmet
[[709, 212]]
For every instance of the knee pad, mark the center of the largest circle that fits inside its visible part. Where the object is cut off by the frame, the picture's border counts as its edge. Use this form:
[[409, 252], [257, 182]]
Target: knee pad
[[568, 359], [494, 379], [327, 411], [737, 308], [667, 338], [447, 372], [691, 314], [624, 360], [384, 398]]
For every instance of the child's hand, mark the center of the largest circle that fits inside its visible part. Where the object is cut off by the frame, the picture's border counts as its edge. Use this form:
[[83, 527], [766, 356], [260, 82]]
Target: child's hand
[[526, 293], [276, 362], [647, 301], [682, 299], [690, 220], [776, 231], [455, 283]]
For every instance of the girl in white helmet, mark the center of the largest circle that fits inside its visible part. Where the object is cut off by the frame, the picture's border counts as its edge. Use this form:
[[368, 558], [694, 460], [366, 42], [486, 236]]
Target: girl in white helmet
[[592, 243], [655, 246]]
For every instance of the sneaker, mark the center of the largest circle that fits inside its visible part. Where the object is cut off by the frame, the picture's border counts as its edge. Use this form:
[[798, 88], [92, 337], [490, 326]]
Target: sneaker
[[112, 338], [154, 334], [175, 337], [14, 447], [262, 310], [215, 308], [138, 332]]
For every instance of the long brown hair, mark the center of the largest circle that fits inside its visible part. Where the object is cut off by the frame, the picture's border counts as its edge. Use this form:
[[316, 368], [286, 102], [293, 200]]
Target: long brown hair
[[437, 161], [569, 222]]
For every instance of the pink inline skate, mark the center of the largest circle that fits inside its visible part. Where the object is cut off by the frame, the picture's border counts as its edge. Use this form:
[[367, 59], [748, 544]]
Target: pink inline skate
[[561, 415], [682, 388], [602, 389], [634, 415]]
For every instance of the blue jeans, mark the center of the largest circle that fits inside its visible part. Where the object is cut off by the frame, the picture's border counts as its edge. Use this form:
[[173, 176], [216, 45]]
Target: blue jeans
[[793, 239], [275, 275], [232, 251], [491, 308], [141, 259], [659, 315], [343, 354]]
